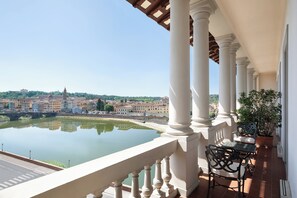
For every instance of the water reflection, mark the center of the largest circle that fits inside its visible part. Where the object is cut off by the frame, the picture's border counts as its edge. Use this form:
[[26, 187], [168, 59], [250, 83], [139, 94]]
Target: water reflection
[[72, 125], [77, 140]]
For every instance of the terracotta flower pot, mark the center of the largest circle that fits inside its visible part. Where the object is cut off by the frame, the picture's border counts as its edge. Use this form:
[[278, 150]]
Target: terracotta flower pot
[[263, 141]]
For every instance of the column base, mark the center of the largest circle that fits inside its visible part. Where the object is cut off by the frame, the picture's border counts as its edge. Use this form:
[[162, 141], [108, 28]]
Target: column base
[[201, 122], [233, 113], [234, 116], [223, 115], [179, 130]]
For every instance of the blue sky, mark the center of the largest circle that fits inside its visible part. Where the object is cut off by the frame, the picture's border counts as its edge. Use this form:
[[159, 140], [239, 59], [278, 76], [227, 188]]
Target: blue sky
[[94, 46]]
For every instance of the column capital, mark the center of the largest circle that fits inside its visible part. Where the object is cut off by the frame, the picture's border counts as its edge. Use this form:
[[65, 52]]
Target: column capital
[[242, 61], [202, 9], [234, 47], [250, 70], [225, 40], [247, 63]]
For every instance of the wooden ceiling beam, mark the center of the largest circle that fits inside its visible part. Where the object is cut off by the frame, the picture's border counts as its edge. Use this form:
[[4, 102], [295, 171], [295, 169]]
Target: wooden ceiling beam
[[133, 2], [164, 17], [161, 5], [153, 7]]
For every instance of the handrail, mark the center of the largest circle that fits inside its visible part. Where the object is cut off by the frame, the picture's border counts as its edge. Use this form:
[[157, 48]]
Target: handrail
[[95, 175], [218, 125]]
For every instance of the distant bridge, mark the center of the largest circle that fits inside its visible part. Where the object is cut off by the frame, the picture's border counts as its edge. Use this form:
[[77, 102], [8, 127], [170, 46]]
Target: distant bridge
[[33, 115]]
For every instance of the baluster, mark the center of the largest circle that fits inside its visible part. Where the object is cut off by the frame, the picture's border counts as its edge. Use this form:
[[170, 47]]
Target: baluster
[[97, 194], [118, 188], [216, 137], [158, 181], [147, 188], [167, 187], [135, 185]]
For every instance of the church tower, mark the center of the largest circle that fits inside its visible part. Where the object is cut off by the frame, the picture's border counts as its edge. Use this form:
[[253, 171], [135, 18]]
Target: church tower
[[64, 102], [64, 94]]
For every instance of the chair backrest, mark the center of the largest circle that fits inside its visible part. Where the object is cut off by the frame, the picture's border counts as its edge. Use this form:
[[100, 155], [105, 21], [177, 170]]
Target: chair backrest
[[247, 128], [221, 158]]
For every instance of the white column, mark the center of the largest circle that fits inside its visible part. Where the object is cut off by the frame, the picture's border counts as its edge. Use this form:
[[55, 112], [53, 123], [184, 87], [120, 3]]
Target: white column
[[179, 90], [224, 87], [250, 72], [245, 76], [183, 162], [241, 67], [200, 12], [234, 47], [258, 82], [255, 76]]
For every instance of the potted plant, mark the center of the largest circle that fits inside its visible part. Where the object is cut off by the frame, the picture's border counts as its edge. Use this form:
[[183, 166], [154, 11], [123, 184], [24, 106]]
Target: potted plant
[[261, 107]]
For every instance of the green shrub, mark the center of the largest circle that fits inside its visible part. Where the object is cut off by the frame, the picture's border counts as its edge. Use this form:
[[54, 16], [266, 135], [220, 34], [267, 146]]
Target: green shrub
[[261, 107]]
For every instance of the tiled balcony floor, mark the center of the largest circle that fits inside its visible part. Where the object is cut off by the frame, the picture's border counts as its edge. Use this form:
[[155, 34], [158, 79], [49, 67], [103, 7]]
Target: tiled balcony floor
[[263, 183]]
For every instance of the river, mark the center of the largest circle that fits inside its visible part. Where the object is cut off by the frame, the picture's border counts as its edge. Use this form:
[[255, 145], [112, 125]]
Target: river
[[69, 142]]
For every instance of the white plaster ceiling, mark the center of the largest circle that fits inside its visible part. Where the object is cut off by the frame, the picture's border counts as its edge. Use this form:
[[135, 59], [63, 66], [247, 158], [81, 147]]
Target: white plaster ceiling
[[258, 26]]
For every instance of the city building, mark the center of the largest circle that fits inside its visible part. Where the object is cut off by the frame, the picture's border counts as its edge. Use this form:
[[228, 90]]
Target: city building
[[157, 108], [123, 109], [1, 106], [55, 105], [76, 110], [11, 106], [36, 107]]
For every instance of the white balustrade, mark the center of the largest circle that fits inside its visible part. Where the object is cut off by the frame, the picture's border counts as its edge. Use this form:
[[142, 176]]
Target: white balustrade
[[97, 175], [147, 188], [158, 181], [135, 185], [167, 187], [98, 195], [118, 188], [219, 131]]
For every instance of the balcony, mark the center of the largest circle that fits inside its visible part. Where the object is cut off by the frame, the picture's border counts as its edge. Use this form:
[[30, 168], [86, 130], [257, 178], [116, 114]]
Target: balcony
[[94, 177], [264, 60]]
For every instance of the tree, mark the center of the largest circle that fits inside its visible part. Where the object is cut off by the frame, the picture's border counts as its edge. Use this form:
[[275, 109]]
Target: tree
[[108, 108], [100, 105]]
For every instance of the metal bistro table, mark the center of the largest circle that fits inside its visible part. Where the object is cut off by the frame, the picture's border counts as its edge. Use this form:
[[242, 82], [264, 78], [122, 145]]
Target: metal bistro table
[[246, 149], [241, 147]]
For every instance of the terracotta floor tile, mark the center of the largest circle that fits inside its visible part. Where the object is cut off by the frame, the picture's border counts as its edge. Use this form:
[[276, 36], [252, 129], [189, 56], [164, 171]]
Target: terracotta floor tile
[[263, 183]]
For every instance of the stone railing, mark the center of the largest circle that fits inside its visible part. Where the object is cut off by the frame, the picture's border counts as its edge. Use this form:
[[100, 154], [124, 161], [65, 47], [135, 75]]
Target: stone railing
[[218, 133], [215, 134], [95, 176]]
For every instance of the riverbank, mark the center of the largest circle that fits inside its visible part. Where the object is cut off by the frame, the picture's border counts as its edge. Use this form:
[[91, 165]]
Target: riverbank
[[156, 123], [161, 120]]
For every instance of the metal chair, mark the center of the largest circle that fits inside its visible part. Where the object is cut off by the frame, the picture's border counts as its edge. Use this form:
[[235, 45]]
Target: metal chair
[[225, 163], [246, 133]]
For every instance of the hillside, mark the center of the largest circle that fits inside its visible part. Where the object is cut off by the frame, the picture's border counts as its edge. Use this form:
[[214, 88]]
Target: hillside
[[30, 94]]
